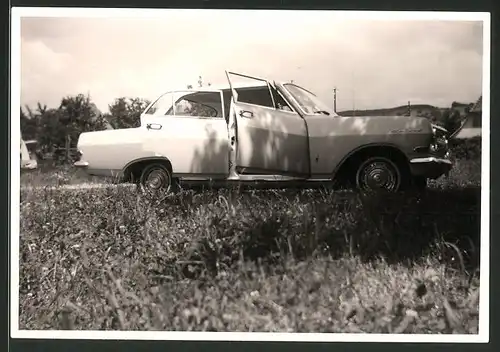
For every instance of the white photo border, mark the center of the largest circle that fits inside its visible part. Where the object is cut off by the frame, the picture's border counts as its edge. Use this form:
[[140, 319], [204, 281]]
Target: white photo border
[[15, 89]]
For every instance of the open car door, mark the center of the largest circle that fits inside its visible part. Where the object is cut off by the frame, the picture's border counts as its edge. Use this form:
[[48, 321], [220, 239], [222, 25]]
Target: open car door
[[267, 140]]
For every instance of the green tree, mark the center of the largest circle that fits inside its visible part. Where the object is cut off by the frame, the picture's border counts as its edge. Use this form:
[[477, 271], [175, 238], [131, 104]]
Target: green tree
[[51, 132], [126, 112], [79, 114], [52, 127], [28, 125], [450, 119]]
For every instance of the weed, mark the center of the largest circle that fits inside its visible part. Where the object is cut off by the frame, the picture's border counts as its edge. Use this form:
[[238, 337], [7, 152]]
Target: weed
[[258, 260]]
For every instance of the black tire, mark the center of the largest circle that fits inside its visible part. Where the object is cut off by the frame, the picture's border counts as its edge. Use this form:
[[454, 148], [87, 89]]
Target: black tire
[[156, 179], [379, 173]]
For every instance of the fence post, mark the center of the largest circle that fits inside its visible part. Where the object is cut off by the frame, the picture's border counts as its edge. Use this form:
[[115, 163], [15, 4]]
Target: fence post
[[67, 147]]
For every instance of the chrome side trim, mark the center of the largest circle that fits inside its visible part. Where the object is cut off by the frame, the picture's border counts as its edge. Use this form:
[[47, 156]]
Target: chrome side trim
[[421, 148], [430, 159]]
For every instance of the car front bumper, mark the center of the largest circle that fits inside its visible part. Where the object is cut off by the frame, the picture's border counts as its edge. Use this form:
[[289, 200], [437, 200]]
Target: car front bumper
[[29, 165], [430, 167], [81, 164]]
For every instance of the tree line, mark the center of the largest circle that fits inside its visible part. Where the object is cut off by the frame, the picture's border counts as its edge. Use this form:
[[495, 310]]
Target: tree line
[[57, 129]]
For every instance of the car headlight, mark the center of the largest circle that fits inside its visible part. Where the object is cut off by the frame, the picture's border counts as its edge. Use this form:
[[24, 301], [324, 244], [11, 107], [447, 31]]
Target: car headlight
[[433, 147], [439, 143]]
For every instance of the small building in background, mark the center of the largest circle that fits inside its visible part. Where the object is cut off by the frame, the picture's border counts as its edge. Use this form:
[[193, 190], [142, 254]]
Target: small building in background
[[472, 124]]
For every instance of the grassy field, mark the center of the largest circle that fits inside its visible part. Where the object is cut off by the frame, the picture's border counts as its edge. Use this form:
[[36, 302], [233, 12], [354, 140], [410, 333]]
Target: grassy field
[[236, 260], [48, 175]]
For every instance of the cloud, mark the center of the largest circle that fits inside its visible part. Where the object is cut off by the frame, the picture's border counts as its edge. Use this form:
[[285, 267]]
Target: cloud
[[43, 72], [37, 57], [384, 63]]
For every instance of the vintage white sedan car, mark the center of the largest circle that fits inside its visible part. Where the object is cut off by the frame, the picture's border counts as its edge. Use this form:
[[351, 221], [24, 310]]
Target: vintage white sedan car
[[264, 131]]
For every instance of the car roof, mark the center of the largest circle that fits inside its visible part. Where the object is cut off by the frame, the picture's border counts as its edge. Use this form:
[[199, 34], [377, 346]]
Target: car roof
[[216, 88]]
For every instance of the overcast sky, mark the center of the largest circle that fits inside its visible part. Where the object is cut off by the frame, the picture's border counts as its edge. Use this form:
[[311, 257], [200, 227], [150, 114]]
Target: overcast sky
[[372, 63]]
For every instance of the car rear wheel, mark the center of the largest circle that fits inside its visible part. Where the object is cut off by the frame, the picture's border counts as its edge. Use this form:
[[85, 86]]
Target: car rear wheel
[[156, 179], [378, 173]]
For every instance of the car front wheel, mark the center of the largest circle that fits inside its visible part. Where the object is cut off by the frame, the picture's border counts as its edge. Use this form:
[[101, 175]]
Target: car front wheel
[[156, 179], [378, 173]]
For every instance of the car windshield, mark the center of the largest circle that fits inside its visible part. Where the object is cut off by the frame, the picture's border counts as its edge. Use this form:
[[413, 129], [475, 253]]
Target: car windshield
[[309, 102]]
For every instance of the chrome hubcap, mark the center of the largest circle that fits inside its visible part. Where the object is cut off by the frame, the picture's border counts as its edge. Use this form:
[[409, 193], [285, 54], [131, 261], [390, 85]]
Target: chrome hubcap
[[157, 179], [379, 175]]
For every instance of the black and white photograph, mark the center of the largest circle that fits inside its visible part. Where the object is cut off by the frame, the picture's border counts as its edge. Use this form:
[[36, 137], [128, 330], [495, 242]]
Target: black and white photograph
[[274, 175]]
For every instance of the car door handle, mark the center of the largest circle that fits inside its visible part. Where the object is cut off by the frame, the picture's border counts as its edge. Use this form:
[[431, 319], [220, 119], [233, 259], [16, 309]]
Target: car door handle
[[154, 126], [246, 114]]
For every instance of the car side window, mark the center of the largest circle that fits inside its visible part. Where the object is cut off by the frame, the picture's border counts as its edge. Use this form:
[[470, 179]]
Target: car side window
[[281, 103], [197, 104], [162, 104], [256, 96], [186, 107]]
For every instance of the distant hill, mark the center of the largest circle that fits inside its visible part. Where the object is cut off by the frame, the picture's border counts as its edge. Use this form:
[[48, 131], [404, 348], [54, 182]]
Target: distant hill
[[416, 110]]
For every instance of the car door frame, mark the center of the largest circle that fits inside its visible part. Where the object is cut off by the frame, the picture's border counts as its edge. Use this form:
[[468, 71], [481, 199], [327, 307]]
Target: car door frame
[[155, 123], [236, 120], [323, 167]]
